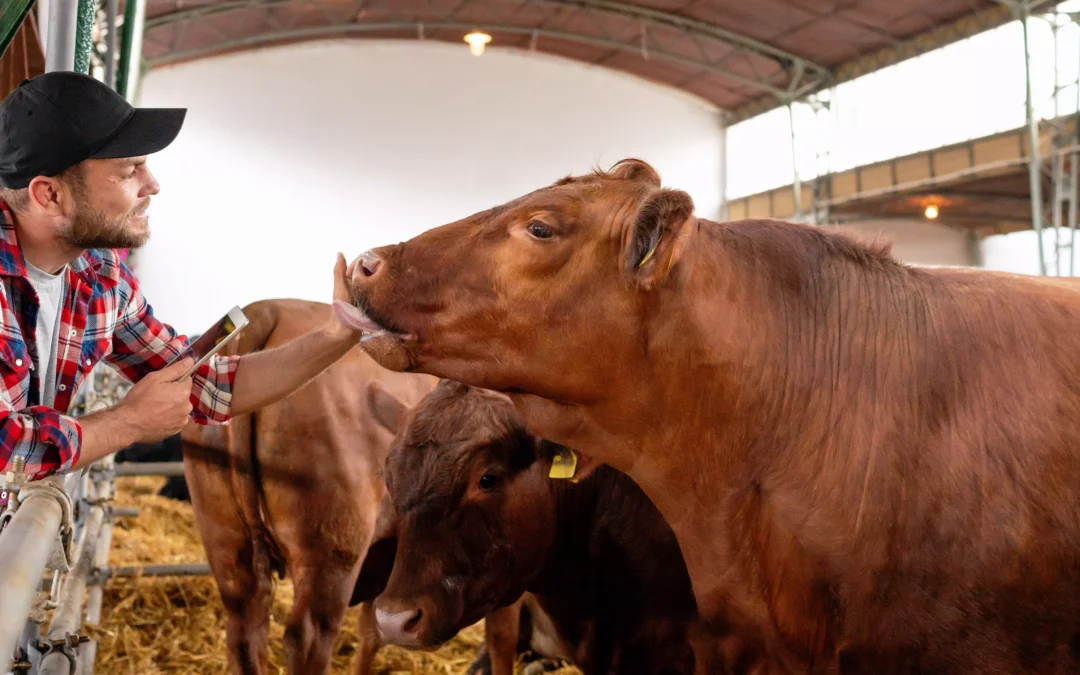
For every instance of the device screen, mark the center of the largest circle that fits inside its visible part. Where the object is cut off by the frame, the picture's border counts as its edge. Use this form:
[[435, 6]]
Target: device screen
[[202, 345]]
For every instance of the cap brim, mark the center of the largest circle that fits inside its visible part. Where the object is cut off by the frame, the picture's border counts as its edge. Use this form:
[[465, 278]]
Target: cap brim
[[148, 131]]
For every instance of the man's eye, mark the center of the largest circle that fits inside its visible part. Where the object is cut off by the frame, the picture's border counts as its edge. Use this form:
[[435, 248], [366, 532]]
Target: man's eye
[[540, 230]]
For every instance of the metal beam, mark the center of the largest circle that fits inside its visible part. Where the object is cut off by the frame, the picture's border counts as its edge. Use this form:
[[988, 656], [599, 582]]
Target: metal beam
[[1034, 161], [148, 469], [60, 50], [84, 40], [111, 44], [961, 29], [804, 75], [179, 570], [25, 545], [346, 30]]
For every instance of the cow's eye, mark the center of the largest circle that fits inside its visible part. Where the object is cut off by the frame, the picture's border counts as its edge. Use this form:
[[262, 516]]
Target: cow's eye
[[540, 230], [488, 481]]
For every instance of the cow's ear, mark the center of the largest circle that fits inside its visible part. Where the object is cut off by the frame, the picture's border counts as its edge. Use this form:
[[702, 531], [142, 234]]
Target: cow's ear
[[658, 236], [388, 411], [634, 169], [379, 560]]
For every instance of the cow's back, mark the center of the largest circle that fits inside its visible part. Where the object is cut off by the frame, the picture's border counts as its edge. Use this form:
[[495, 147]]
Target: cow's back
[[305, 469]]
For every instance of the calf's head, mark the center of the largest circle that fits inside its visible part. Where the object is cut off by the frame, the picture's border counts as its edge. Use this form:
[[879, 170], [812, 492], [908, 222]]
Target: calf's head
[[557, 282], [474, 511]]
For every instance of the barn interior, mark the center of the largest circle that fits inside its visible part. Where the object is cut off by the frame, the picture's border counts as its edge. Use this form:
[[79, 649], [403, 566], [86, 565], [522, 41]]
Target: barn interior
[[945, 127]]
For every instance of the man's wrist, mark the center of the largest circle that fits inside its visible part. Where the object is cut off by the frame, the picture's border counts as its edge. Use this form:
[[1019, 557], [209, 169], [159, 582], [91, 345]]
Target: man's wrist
[[120, 425], [340, 335]]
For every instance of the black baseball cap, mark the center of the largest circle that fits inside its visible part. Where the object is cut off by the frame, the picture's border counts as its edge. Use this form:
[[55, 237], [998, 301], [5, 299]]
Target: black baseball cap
[[56, 120]]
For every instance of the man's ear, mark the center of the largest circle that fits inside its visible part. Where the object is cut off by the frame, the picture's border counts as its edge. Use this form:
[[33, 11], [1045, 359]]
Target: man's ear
[[388, 411], [659, 235]]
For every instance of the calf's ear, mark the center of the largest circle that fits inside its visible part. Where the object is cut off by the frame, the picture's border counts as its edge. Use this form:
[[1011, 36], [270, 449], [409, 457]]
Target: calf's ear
[[658, 236], [379, 560], [388, 411]]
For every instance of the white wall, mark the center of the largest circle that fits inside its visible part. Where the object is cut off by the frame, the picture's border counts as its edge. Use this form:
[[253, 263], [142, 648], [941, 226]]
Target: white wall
[[291, 154], [918, 241]]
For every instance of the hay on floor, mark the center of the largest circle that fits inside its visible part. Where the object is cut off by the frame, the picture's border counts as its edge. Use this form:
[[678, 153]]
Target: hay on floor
[[176, 625]]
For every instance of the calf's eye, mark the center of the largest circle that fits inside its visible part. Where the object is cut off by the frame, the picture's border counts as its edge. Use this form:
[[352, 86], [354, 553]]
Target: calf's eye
[[488, 481], [540, 230]]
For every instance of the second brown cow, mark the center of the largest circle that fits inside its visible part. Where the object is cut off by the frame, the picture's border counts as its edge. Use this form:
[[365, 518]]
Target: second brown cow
[[293, 488], [479, 522]]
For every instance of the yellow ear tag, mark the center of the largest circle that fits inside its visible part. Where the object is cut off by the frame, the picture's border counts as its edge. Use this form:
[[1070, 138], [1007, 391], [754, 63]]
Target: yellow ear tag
[[648, 255], [564, 465]]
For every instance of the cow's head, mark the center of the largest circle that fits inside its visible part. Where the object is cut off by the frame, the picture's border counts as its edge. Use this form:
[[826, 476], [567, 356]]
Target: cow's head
[[474, 511], [547, 294]]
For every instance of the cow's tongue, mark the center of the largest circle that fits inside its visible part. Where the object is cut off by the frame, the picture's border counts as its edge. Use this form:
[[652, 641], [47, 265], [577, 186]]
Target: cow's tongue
[[354, 318]]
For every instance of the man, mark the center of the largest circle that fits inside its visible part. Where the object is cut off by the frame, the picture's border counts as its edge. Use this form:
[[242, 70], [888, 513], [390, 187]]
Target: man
[[74, 184]]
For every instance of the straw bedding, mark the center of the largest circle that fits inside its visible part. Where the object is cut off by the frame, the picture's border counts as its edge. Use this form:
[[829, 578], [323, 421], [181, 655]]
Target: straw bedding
[[176, 625]]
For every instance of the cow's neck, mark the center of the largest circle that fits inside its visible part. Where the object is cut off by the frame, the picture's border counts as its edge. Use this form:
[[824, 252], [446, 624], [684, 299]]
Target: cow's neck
[[597, 580]]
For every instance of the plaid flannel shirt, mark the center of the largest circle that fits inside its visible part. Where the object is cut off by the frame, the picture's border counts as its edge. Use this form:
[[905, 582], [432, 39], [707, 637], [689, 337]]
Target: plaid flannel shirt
[[104, 317]]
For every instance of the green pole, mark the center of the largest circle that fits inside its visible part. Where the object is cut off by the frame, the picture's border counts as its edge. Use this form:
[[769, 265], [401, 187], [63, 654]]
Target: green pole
[[84, 38], [12, 14], [124, 68]]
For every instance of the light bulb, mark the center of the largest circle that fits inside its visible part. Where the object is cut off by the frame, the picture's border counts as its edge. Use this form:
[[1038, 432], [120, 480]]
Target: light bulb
[[477, 41], [931, 212]]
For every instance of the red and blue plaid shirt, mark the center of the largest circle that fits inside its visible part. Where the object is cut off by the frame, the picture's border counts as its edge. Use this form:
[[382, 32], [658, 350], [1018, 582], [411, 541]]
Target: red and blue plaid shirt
[[104, 317]]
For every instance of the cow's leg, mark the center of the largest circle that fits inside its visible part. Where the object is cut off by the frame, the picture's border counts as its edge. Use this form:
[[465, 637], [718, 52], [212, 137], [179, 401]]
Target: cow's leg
[[321, 596], [501, 635], [247, 593], [238, 561], [369, 640]]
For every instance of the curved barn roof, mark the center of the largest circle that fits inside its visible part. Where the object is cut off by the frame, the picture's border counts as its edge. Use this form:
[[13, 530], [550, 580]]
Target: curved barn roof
[[745, 56]]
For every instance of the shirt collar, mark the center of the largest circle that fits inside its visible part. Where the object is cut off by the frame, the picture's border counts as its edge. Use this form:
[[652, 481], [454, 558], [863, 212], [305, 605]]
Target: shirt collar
[[12, 263]]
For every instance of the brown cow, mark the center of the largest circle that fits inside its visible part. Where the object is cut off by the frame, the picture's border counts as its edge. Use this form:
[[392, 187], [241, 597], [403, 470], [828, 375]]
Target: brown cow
[[479, 522], [295, 487], [869, 467]]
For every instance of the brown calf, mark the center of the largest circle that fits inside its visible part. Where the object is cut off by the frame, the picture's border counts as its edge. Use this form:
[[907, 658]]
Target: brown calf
[[869, 467], [479, 522], [293, 488]]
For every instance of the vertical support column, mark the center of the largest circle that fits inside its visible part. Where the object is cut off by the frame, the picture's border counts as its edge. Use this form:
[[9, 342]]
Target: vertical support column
[[796, 183], [60, 50], [131, 48], [84, 39], [1034, 161], [723, 168], [110, 43], [42, 9]]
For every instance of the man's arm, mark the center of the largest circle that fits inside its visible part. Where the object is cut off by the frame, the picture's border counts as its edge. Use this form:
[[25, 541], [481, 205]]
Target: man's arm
[[50, 442], [156, 407], [267, 376], [228, 386]]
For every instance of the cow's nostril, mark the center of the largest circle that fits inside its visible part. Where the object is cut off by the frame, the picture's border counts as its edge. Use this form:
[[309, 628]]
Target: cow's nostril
[[413, 624], [370, 266]]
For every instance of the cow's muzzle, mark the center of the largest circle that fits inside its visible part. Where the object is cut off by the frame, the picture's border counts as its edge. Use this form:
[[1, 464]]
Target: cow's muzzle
[[406, 624]]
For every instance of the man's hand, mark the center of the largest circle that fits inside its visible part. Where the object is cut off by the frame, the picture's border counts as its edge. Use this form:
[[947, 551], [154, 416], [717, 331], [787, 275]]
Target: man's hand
[[335, 328], [156, 407]]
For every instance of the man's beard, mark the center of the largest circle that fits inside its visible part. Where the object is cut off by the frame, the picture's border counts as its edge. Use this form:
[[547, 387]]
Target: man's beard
[[91, 228]]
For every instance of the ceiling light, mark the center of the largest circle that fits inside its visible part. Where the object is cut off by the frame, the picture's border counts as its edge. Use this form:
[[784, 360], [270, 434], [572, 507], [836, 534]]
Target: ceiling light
[[477, 41], [931, 211]]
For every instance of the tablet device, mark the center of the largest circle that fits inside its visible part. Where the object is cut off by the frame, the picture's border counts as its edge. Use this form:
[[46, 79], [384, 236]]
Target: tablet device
[[217, 336]]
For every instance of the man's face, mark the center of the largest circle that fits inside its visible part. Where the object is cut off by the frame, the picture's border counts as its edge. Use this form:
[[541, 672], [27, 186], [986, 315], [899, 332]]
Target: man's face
[[110, 202]]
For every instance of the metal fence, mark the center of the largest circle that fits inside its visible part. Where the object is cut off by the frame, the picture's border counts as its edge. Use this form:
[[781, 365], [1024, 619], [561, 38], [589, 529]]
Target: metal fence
[[55, 536]]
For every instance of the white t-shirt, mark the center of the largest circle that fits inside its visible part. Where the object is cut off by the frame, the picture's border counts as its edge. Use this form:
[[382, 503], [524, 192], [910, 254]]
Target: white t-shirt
[[50, 290]]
